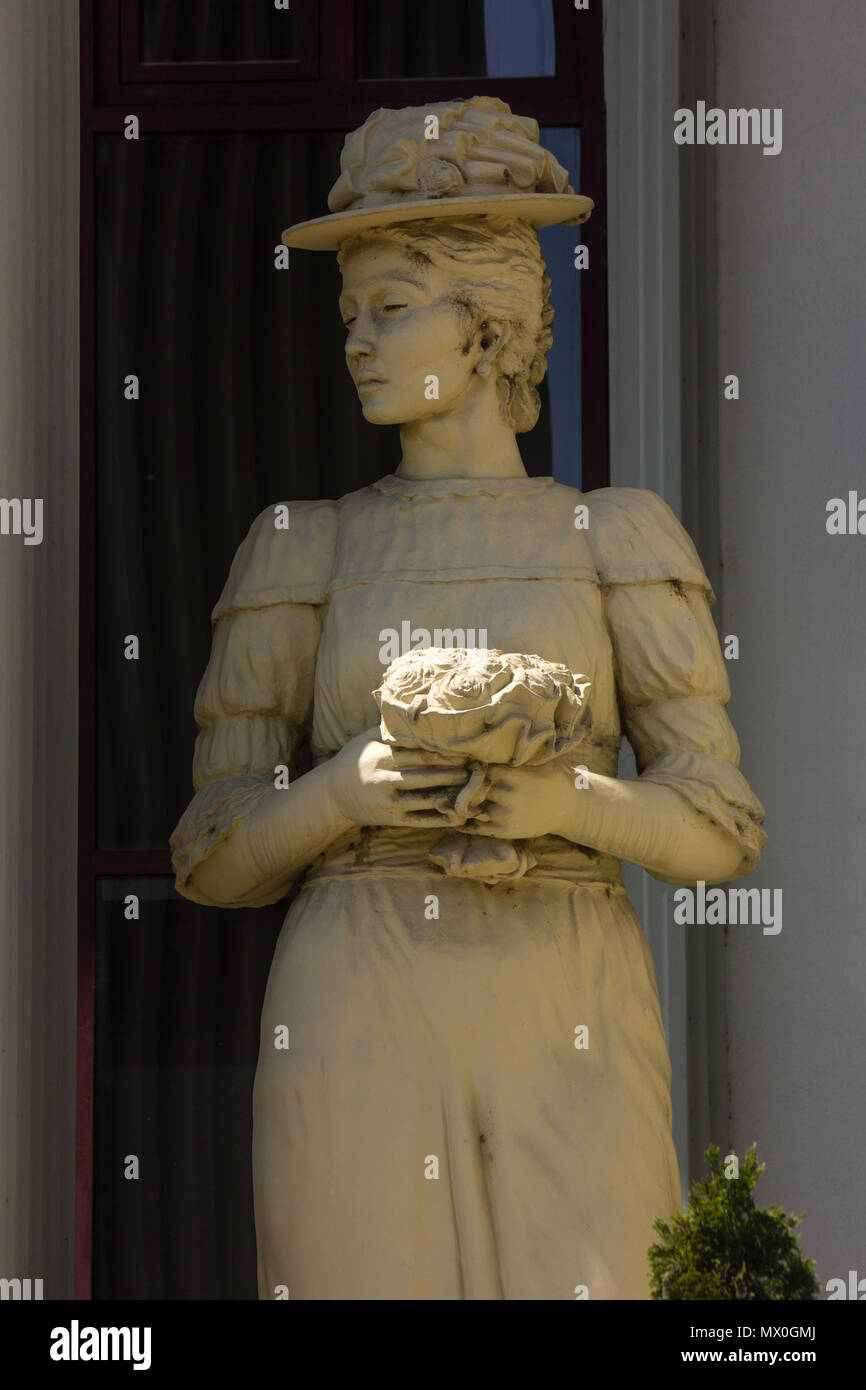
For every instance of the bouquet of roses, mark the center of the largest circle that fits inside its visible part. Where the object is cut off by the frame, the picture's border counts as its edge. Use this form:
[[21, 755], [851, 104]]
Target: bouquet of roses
[[476, 708]]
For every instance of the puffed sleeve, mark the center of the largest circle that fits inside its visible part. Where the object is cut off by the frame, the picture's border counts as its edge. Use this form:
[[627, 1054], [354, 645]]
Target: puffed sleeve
[[671, 677], [254, 703]]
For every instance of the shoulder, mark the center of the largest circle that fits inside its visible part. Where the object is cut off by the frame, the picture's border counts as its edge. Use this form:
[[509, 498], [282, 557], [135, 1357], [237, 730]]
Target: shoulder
[[286, 557], [637, 539]]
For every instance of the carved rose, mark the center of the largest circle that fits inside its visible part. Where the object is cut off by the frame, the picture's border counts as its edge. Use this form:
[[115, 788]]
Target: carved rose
[[540, 682], [484, 705], [438, 177], [409, 678], [477, 708], [471, 686]]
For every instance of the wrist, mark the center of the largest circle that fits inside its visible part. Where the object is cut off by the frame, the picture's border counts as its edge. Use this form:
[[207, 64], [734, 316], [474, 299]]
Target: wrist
[[333, 788], [571, 804]]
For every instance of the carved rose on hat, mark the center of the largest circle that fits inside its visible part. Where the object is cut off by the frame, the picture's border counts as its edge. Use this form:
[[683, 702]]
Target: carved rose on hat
[[437, 177]]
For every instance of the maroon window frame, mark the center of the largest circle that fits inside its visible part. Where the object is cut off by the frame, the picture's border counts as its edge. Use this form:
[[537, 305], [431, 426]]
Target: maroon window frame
[[319, 91]]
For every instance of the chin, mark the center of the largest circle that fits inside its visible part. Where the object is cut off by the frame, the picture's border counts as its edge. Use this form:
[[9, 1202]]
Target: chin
[[379, 413]]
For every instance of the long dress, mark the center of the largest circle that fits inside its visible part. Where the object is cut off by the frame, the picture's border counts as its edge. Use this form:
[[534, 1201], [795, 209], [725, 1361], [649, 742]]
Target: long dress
[[474, 1102]]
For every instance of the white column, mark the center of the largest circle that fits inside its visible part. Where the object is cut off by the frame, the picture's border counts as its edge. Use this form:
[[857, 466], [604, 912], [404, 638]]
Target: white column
[[38, 637], [641, 50]]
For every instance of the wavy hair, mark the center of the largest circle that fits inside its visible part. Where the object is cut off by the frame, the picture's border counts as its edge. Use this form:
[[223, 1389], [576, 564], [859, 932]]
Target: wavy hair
[[499, 274]]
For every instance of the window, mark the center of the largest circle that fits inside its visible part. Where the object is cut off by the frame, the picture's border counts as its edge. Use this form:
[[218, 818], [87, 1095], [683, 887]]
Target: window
[[212, 387]]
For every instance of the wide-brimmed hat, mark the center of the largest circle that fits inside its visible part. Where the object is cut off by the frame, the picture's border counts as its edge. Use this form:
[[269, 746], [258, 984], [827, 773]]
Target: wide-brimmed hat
[[483, 160]]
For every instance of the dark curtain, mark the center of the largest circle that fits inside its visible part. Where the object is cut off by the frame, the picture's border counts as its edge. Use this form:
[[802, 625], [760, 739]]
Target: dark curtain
[[179, 993], [218, 31], [443, 38]]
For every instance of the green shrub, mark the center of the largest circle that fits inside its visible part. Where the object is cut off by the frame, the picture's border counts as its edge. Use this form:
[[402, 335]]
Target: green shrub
[[724, 1247]]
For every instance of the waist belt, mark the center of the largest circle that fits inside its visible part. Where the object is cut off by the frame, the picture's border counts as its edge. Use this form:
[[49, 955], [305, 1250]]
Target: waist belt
[[374, 851]]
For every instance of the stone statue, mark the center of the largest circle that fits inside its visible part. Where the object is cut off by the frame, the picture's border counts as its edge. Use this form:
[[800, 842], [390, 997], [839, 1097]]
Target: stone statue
[[463, 1087]]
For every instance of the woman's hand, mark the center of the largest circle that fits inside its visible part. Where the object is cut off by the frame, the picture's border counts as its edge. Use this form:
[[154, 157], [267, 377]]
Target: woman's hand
[[373, 783], [649, 825], [526, 802]]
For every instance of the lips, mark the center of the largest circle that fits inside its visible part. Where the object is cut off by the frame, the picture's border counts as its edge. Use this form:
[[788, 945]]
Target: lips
[[369, 382]]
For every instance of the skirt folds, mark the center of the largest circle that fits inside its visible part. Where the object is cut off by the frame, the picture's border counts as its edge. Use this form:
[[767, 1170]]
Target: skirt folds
[[432, 1130]]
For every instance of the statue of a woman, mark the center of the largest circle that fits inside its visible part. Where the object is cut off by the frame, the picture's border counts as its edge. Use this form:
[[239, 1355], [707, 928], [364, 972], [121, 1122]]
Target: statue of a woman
[[463, 1087]]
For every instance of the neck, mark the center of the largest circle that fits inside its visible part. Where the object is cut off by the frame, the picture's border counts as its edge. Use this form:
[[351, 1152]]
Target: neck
[[470, 441]]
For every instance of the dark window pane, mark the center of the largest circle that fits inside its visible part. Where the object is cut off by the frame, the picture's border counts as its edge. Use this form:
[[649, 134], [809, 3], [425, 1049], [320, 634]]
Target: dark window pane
[[519, 38], [218, 31], [178, 1003], [455, 38], [564, 359], [245, 401], [445, 39]]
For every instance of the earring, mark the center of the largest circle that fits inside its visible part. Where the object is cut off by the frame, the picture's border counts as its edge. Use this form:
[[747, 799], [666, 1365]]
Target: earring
[[483, 368]]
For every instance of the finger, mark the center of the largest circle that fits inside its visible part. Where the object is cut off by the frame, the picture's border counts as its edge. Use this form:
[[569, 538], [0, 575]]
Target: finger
[[417, 801], [500, 783], [424, 820], [415, 757], [431, 777], [490, 826], [492, 801]]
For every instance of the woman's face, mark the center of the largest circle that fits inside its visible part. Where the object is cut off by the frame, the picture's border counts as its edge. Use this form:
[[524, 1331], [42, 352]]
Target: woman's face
[[403, 330]]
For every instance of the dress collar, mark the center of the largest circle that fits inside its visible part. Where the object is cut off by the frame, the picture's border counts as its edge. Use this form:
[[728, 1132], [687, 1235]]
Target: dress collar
[[395, 486]]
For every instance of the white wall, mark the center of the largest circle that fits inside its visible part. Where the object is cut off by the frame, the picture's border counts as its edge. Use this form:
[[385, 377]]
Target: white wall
[[792, 289], [38, 637]]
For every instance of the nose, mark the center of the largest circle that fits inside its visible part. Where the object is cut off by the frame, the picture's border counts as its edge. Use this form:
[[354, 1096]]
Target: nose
[[359, 342]]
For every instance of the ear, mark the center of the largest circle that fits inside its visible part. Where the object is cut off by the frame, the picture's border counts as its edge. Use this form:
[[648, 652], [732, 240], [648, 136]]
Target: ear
[[493, 335]]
